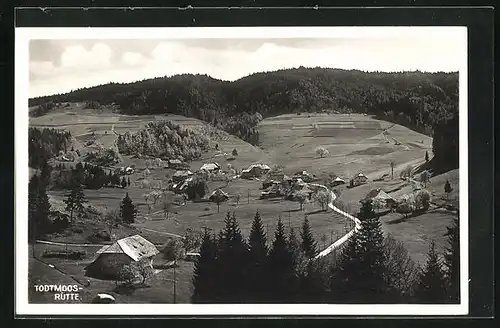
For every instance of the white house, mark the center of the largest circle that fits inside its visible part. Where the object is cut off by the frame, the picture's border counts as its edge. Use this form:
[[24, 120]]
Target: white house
[[111, 258], [359, 179]]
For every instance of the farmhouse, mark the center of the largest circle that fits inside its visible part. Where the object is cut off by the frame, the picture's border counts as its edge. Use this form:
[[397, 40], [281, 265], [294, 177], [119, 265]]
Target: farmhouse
[[359, 179], [274, 190], [181, 186], [380, 197], [337, 182], [181, 175], [210, 167], [218, 193], [255, 170], [177, 164], [110, 259], [305, 176]]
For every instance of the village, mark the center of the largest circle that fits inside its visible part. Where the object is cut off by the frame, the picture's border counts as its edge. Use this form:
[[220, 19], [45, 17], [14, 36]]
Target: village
[[178, 200]]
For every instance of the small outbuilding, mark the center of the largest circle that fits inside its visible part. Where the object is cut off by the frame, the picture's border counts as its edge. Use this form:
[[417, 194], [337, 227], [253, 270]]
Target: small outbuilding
[[359, 179], [181, 175], [210, 167]]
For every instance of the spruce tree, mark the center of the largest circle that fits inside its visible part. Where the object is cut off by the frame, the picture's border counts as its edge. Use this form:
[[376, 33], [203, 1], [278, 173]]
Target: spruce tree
[[258, 252], [76, 198], [447, 188], [452, 263], [281, 270], [426, 156], [124, 183], [128, 181], [346, 273], [45, 174], [432, 286], [38, 209], [308, 245], [128, 211], [371, 243], [360, 274], [205, 271], [232, 257], [295, 246]]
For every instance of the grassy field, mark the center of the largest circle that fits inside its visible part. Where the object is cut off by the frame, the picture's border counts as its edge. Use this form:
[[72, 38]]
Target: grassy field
[[357, 143]]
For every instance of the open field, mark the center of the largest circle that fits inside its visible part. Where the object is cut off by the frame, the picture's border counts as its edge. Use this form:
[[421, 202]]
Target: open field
[[357, 143]]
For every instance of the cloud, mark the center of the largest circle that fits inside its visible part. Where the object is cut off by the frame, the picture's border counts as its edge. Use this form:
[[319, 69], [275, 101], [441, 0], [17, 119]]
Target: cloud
[[133, 58], [78, 57]]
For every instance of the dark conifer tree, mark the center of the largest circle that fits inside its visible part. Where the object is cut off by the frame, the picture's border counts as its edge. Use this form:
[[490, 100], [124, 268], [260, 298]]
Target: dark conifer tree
[[308, 245], [360, 274], [258, 251], [426, 156], [45, 174], [124, 183], [447, 188], [128, 181], [38, 209], [128, 211], [232, 256], [205, 271], [432, 286], [452, 263], [371, 242], [281, 270], [295, 247], [75, 200]]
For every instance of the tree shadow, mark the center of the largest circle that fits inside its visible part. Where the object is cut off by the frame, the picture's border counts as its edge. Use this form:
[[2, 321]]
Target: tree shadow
[[128, 289], [294, 210], [404, 218], [315, 212], [206, 214]]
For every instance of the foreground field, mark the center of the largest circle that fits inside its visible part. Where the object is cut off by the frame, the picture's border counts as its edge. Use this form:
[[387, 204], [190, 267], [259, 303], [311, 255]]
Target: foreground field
[[157, 289]]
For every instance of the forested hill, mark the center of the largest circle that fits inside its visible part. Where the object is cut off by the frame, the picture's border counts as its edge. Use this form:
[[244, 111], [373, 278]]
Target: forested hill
[[414, 99]]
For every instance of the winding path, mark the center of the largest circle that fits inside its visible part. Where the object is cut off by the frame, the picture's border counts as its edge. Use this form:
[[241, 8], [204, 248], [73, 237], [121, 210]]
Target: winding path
[[344, 238]]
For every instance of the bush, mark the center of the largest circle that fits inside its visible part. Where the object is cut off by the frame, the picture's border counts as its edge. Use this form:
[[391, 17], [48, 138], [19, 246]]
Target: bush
[[196, 189], [99, 237], [127, 274]]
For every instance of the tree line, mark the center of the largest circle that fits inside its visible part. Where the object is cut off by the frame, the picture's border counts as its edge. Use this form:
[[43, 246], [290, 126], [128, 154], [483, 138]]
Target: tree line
[[44, 144], [370, 268], [165, 139], [90, 176]]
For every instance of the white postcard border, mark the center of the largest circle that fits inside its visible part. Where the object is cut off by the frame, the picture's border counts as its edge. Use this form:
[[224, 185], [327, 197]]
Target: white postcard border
[[22, 307]]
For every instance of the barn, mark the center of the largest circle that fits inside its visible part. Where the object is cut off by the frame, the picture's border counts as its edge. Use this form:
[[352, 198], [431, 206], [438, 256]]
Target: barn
[[111, 258]]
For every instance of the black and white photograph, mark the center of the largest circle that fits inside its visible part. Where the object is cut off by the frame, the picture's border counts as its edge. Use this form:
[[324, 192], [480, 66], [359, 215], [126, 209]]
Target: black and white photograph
[[238, 170]]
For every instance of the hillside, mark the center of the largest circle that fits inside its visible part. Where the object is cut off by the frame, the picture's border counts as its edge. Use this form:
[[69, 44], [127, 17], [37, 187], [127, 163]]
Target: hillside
[[424, 102]]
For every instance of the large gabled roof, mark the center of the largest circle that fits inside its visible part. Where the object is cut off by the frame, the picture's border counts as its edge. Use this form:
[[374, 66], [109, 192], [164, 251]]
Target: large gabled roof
[[136, 247]]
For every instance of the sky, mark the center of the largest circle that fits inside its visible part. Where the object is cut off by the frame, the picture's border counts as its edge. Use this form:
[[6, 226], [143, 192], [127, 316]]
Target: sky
[[62, 65]]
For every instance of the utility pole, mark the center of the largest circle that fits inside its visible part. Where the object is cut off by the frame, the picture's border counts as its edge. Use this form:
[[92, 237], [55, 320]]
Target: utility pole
[[175, 291]]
